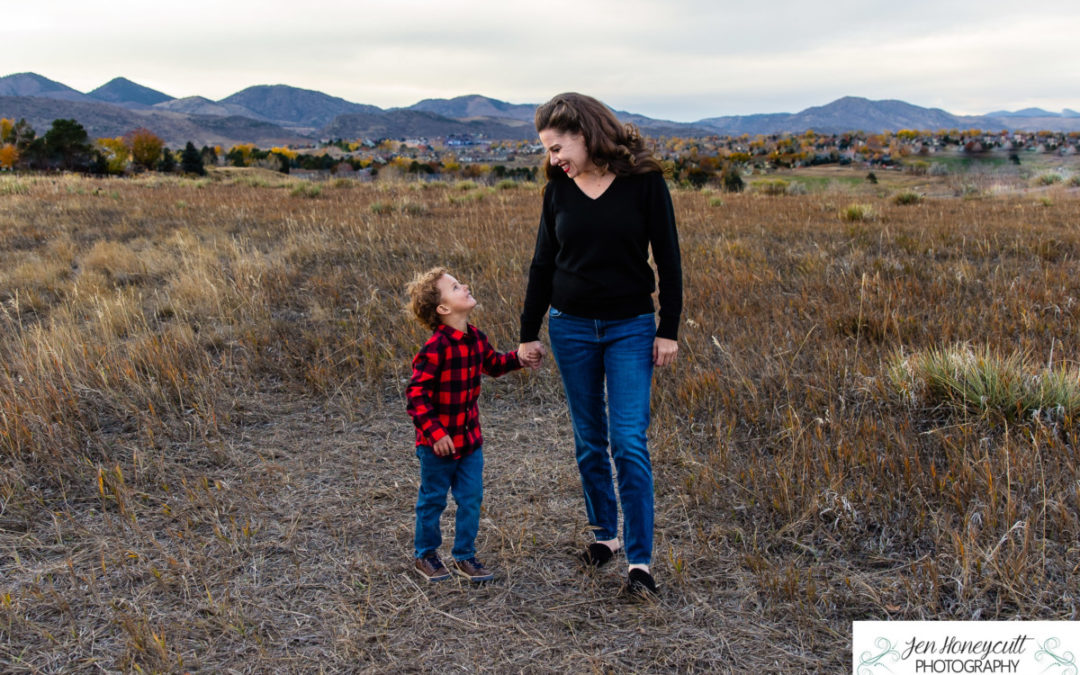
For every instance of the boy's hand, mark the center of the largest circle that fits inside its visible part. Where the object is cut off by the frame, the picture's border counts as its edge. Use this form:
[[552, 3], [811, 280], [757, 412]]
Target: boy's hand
[[531, 354], [443, 447]]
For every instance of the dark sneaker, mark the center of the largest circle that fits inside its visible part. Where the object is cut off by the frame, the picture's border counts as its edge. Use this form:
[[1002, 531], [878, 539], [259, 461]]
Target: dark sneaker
[[431, 568], [473, 570], [641, 582]]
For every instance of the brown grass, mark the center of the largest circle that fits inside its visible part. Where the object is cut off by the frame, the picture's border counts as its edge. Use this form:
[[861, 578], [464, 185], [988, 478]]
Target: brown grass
[[205, 462]]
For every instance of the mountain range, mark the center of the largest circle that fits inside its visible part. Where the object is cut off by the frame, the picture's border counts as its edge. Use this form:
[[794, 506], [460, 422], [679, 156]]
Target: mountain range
[[283, 115]]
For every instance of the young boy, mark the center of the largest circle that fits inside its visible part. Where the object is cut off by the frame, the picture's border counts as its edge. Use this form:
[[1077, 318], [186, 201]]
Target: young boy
[[442, 395]]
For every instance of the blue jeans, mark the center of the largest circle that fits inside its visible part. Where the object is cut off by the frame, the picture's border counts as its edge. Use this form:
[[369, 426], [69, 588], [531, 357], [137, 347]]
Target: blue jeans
[[591, 354], [462, 477]]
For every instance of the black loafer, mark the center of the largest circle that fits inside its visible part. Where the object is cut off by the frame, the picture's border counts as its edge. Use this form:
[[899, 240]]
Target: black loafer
[[641, 582], [596, 555]]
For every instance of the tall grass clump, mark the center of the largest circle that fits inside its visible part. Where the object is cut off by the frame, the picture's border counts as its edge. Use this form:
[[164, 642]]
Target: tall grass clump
[[309, 190], [1050, 178], [10, 186], [772, 187], [857, 213], [907, 198], [963, 380]]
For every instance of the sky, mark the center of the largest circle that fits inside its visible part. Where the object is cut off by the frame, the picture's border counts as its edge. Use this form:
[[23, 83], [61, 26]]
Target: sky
[[681, 60]]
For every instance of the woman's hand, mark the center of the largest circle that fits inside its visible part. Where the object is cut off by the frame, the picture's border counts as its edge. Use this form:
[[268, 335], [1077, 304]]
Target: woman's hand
[[531, 354], [664, 351]]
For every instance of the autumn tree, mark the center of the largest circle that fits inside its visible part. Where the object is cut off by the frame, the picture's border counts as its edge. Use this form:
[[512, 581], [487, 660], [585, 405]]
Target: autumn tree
[[116, 153], [240, 155], [9, 156], [6, 127], [145, 147]]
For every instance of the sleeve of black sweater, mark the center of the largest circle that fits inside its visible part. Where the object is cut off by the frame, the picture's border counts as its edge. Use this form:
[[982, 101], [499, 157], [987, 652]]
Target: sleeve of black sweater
[[541, 273], [664, 240]]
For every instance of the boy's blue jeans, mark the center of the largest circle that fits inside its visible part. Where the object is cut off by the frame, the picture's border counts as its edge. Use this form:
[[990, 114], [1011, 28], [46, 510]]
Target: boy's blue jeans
[[462, 477], [591, 354]]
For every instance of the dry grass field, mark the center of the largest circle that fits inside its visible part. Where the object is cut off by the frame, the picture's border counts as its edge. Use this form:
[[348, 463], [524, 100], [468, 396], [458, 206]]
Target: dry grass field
[[206, 465]]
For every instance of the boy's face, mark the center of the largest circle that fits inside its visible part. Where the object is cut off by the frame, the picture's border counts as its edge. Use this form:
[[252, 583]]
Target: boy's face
[[456, 298]]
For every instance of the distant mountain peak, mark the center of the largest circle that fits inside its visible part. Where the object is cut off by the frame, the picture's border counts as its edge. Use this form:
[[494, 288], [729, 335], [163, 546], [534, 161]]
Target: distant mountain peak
[[295, 106], [123, 91], [32, 84]]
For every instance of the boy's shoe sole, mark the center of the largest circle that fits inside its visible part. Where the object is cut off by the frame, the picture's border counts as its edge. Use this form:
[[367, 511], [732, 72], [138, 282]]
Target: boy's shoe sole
[[425, 569], [475, 574]]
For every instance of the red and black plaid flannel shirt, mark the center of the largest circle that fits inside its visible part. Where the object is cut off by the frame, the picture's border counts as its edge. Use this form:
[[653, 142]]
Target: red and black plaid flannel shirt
[[445, 386]]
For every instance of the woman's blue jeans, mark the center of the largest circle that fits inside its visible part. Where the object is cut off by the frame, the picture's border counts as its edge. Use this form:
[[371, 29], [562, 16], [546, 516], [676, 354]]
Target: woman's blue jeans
[[462, 477], [616, 356]]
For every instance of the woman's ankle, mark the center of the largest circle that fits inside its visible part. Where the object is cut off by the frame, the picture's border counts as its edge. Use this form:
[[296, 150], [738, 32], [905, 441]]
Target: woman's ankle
[[643, 568], [613, 544]]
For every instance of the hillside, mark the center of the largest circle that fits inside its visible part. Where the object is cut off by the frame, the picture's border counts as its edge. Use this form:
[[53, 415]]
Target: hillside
[[124, 92], [103, 120], [296, 107], [32, 84], [475, 105], [415, 123]]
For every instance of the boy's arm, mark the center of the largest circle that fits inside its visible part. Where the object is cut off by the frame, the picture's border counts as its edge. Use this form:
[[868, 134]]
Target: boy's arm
[[495, 363], [421, 407]]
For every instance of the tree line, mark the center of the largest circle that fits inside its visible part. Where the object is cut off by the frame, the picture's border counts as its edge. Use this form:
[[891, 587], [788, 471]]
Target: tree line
[[66, 147]]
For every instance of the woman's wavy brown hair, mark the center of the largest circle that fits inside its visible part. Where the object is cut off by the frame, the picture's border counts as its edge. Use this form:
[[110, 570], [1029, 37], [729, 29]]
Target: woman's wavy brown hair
[[611, 144]]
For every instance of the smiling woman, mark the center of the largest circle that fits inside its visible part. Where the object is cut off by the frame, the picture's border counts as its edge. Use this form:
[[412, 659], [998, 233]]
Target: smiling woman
[[605, 206]]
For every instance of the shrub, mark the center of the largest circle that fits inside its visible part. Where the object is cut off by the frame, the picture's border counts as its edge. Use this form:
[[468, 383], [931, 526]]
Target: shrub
[[919, 167], [857, 212], [732, 180], [1050, 178], [959, 379], [309, 190], [907, 197], [773, 187]]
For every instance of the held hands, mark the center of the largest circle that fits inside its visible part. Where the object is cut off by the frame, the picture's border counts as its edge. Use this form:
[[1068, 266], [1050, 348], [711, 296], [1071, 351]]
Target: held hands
[[531, 354], [664, 351], [443, 447]]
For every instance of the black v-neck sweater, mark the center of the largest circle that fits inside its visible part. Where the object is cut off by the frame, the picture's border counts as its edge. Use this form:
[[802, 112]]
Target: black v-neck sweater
[[592, 255]]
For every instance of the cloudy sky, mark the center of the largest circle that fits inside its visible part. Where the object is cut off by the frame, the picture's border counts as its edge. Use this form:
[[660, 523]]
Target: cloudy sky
[[672, 59]]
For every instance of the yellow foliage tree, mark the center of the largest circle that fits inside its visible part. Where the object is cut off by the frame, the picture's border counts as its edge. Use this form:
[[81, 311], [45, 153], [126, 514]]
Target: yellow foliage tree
[[116, 153], [240, 155], [145, 147], [284, 152], [8, 155], [6, 127]]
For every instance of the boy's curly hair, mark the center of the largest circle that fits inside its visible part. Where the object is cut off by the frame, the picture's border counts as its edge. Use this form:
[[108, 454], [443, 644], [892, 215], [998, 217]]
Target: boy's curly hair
[[424, 296]]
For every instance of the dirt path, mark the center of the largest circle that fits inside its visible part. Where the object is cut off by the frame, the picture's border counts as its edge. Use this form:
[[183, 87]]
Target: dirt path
[[286, 547]]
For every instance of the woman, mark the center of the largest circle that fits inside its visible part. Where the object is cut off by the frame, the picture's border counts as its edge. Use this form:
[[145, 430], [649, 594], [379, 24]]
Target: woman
[[605, 204]]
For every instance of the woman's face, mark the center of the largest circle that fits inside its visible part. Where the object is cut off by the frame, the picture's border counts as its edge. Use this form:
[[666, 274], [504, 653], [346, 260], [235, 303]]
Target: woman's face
[[567, 151]]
